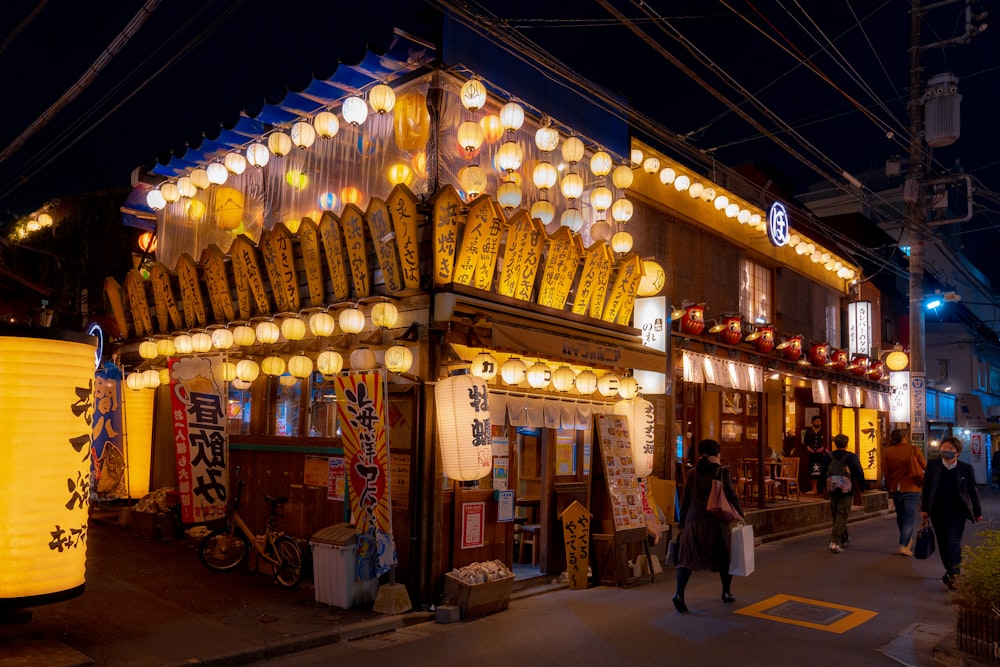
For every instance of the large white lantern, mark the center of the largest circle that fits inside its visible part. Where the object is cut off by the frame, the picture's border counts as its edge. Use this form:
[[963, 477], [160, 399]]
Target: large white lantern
[[258, 155], [352, 320], [300, 366], [244, 336], [135, 381], [572, 218], [484, 365], [151, 379], [621, 242], [147, 350], [600, 163], [186, 188], [513, 371], [363, 359], [217, 173], [329, 362], [303, 134], [267, 332], [544, 175], [463, 427], [201, 342], [539, 375], [547, 139], [511, 116], [628, 387], [170, 192], [382, 98], [572, 150], [183, 344], [586, 382], [273, 366], [398, 359], [279, 143], [509, 195], [543, 210], [653, 278], [222, 339], [509, 157], [155, 199], [473, 94], [571, 186], [622, 177], [470, 136], [321, 324], [355, 110], [293, 328], [247, 370], [235, 163], [607, 385], [326, 124], [563, 378], [642, 429], [385, 315], [199, 178]]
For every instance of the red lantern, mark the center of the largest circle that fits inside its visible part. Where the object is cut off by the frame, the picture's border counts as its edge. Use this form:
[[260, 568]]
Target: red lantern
[[763, 338], [859, 365], [818, 354], [730, 330], [147, 242], [791, 347], [838, 360], [875, 371], [692, 319]]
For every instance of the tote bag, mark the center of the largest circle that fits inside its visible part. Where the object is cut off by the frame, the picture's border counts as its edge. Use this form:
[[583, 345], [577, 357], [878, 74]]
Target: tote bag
[[741, 561], [718, 504], [924, 546]]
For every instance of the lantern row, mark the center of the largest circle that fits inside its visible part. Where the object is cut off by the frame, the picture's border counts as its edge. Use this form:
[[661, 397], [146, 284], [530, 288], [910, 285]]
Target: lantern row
[[541, 375]]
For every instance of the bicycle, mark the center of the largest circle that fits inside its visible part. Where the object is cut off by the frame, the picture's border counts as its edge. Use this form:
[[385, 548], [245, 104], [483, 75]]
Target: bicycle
[[226, 548]]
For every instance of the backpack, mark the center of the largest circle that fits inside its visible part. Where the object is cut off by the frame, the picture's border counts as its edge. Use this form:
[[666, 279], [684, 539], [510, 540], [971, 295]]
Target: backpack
[[838, 477]]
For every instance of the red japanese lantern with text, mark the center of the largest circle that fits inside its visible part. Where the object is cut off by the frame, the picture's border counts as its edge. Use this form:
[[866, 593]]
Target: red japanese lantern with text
[[838, 360], [819, 354], [791, 347]]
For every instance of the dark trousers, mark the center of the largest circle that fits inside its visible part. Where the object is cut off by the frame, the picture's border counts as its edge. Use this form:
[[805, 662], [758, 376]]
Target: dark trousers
[[949, 528]]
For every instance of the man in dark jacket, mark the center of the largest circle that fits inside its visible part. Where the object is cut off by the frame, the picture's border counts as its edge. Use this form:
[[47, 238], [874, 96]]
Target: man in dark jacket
[[842, 485]]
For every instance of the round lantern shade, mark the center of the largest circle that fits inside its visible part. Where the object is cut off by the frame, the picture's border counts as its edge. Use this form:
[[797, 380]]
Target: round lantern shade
[[385, 315], [472, 180], [327, 201], [539, 375], [398, 359], [635, 157], [651, 165], [621, 242], [601, 231], [362, 359], [642, 429], [235, 163], [653, 278], [222, 339], [321, 324], [201, 342], [155, 199], [287, 380], [513, 371], [696, 190], [258, 155], [463, 427], [572, 150], [470, 136], [382, 98], [151, 379], [135, 381], [293, 328], [510, 156], [586, 382], [571, 186], [227, 371], [165, 347], [303, 134], [667, 175], [199, 178], [543, 210], [217, 173], [247, 370], [492, 131], [351, 320], [244, 336], [511, 116], [473, 94], [170, 192], [600, 164], [329, 362], [147, 350], [563, 378], [544, 175], [628, 387], [547, 139], [242, 385], [607, 384], [572, 218], [355, 110], [273, 366], [708, 195], [484, 365], [622, 177], [185, 186], [183, 344], [300, 366], [682, 183], [44, 548], [897, 360], [326, 124], [622, 210], [279, 143], [267, 332], [509, 195]]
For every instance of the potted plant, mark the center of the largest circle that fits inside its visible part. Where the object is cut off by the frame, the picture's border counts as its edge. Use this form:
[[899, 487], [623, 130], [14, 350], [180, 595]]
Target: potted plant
[[977, 601]]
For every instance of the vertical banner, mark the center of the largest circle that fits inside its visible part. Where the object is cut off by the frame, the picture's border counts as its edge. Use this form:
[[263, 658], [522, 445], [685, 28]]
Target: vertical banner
[[201, 444], [899, 396], [362, 411], [106, 448], [918, 408]]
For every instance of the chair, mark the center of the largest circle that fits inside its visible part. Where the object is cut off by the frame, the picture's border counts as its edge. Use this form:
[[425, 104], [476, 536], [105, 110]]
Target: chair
[[748, 475], [788, 480], [528, 533]]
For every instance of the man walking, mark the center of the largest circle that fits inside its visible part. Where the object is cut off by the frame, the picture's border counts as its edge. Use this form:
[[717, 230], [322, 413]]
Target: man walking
[[842, 476], [899, 461], [814, 440]]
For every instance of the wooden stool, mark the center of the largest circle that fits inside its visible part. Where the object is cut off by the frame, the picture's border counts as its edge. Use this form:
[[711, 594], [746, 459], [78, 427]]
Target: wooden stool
[[529, 536]]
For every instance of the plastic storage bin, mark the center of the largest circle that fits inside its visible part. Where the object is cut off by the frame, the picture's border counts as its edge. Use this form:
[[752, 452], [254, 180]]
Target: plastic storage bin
[[334, 549]]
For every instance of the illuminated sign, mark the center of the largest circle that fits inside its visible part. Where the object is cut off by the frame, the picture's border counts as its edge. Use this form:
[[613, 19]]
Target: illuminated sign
[[778, 225], [859, 327]]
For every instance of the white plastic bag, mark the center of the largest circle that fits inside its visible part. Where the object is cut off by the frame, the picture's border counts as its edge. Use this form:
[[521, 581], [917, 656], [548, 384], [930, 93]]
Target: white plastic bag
[[741, 561]]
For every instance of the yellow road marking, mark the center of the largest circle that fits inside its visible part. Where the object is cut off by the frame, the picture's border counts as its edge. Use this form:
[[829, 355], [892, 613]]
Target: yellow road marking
[[851, 618]]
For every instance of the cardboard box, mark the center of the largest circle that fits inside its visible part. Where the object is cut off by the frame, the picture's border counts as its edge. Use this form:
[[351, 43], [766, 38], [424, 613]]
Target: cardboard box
[[480, 599]]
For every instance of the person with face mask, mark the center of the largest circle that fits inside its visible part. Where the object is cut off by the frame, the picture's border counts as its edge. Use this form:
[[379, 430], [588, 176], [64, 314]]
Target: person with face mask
[[950, 499]]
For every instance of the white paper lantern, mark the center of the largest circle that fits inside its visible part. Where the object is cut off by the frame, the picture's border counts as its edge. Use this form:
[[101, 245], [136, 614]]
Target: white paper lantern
[[303, 134], [165, 347], [170, 192], [217, 173], [653, 278], [223, 339], [329, 362], [513, 371], [201, 342], [607, 385], [463, 427], [563, 378], [241, 385], [351, 320], [326, 124], [642, 430], [267, 332], [151, 379], [247, 370], [293, 328], [321, 324], [287, 380], [572, 150], [600, 163], [628, 387], [279, 143], [199, 178], [258, 155], [155, 199], [228, 371], [300, 366], [273, 366], [363, 359], [622, 177], [244, 336], [586, 382], [384, 315], [147, 350], [539, 375], [543, 210], [182, 344], [572, 218], [235, 163], [354, 110], [484, 365], [621, 242], [135, 381], [398, 359], [186, 188], [473, 94], [382, 98]]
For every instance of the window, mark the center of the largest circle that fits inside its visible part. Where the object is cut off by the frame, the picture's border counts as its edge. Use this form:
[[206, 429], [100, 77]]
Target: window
[[755, 292]]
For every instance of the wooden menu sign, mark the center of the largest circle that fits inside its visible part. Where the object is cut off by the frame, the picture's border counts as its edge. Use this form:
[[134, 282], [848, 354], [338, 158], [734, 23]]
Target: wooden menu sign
[[619, 472], [402, 205], [329, 231], [168, 316], [525, 240], [138, 301], [477, 227], [192, 301], [213, 262], [279, 260], [312, 260], [622, 297], [352, 225], [447, 214], [113, 293], [594, 280], [249, 279], [576, 537], [561, 264], [384, 239], [491, 248]]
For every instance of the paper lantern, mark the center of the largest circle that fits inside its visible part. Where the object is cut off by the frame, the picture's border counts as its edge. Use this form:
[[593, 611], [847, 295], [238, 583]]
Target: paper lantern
[[400, 174], [228, 208], [134, 381], [622, 210], [300, 366], [321, 324], [287, 380], [326, 124], [635, 157], [539, 376], [279, 143], [165, 347], [398, 359], [362, 359], [354, 110], [543, 210], [600, 164], [170, 192], [182, 344], [571, 186], [241, 385], [227, 371], [148, 242], [217, 173], [696, 190], [708, 194], [628, 387], [147, 350], [572, 150], [137, 407], [682, 183], [350, 195], [651, 165], [463, 427], [572, 218], [472, 179], [411, 122], [327, 201], [199, 178], [791, 348], [653, 278], [155, 199], [509, 195], [544, 175], [164, 378], [563, 378], [473, 94], [470, 136], [258, 155], [547, 139], [667, 175], [45, 383], [267, 332], [586, 382], [302, 134], [642, 431], [247, 370], [492, 130], [235, 163], [621, 242], [384, 315], [297, 179], [607, 384], [151, 379], [201, 342], [293, 328], [509, 157], [223, 339], [622, 177], [351, 320], [897, 360], [244, 336], [329, 362], [484, 365], [601, 231], [513, 371], [511, 117], [273, 366]]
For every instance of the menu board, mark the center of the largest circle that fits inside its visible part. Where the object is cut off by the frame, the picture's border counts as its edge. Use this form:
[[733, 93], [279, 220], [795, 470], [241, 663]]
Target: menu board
[[619, 472]]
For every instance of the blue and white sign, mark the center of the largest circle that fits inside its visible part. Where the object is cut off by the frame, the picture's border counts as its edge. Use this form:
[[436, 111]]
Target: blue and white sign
[[779, 226]]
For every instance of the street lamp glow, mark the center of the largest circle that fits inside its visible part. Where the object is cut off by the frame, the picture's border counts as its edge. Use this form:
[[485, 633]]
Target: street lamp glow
[[934, 303]]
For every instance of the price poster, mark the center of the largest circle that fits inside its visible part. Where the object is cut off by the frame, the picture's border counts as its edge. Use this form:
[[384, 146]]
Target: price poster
[[619, 472]]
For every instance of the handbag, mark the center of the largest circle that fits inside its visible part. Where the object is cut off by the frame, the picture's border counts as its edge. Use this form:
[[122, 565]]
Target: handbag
[[916, 472], [741, 561], [924, 546], [673, 549], [718, 504]]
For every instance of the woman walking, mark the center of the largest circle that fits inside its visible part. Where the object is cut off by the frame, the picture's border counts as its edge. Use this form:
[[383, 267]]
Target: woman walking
[[899, 460], [704, 539], [950, 499]]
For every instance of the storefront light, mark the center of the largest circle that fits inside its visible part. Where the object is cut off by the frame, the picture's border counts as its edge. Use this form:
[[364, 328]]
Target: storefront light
[[563, 378], [382, 99], [258, 155], [300, 366], [329, 362], [247, 370], [607, 384], [363, 359], [539, 375], [273, 366], [622, 177], [235, 163], [460, 423], [398, 359], [543, 210], [586, 382], [267, 332], [222, 339], [279, 143], [138, 410], [147, 350], [653, 278], [293, 328], [513, 371], [484, 365], [201, 342]]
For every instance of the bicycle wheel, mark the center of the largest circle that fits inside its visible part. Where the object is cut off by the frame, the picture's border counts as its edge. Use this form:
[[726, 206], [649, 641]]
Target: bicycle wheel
[[223, 550], [288, 553]]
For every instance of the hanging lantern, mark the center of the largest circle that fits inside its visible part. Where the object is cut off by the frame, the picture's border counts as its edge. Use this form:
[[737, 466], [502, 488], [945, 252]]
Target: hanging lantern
[[411, 122], [170, 192], [586, 382], [472, 180], [137, 407], [287, 380], [621, 242], [492, 130], [622, 177], [247, 370], [201, 342], [708, 195], [600, 164], [651, 165], [563, 378], [279, 143], [743, 217], [385, 315], [217, 173], [621, 210], [258, 155], [511, 117], [151, 379], [600, 199], [653, 278], [326, 124], [351, 320], [509, 157], [195, 210], [398, 359], [267, 332], [463, 427], [400, 173], [155, 200], [473, 94], [135, 381], [329, 362], [235, 163], [547, 139], [182, 344], [571, 186], [696, 190], [641, 420], [147, 350], [572, 150], [513, 371], [241, 385], [186, 188], [682, 183], [544, 175], [321, 324], [382, 98], [573, 219], [897, 360], [293, 328], [164, 375], [607, 384], [543, 210], [227, 371], [635, 157], [303, 134], [509, 195], [351, 195], [539, 375], [327, 201], [667, 175], [601, 231], [470, 136], [244, 336], [222, 339], [363, 359], [199, 178], [273, 366], [165, 347], [628, 387], [355, 110], [300, 366], [484, 365]]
